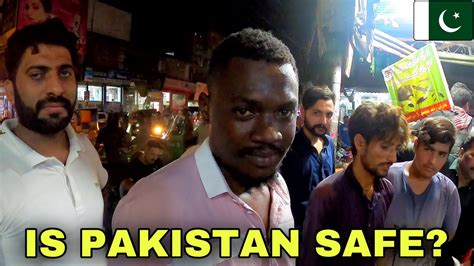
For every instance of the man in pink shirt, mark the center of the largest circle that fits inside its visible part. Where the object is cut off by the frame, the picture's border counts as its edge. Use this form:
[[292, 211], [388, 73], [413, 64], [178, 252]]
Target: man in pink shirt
[[231, 181]]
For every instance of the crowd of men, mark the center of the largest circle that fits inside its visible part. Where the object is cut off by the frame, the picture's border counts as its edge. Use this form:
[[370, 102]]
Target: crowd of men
[[255, 170]]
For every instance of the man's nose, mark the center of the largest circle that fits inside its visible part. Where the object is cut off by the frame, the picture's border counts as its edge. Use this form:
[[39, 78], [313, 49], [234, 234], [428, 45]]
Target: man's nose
[[54, 85], [393, 155], [267, 132]]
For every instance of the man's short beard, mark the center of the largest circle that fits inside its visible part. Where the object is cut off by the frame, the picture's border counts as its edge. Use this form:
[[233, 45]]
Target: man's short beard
[[245, 181], [312, 130], [28, 117], [368, 169]]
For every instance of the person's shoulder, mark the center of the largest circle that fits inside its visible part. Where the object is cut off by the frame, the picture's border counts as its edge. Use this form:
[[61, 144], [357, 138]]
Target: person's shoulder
[[386, 187], [329, 139], [395, 172], [329, 185], [154, 199], [84, 141], [396, 167], [10, 158], [172, 177], [445, 182]]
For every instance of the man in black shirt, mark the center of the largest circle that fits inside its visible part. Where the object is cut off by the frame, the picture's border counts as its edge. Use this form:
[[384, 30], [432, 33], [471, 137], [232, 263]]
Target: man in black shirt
[[146, 162], [461, 172]]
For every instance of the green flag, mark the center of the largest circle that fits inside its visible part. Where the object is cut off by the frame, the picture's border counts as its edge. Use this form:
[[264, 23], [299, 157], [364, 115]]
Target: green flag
[[443, 20]]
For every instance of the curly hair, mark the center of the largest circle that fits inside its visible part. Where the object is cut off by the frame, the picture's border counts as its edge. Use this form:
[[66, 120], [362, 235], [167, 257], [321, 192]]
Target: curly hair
[[251, 44], [47, 6], [437, 129], [378, 121]]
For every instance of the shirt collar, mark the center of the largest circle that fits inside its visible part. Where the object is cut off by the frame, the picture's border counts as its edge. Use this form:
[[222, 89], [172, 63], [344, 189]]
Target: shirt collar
[[214, 181], [301, 136], [349, 174], [209, 172], [31, 157]]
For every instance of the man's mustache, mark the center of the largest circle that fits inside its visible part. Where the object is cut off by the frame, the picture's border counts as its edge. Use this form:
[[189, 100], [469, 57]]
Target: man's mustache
[[320, 126], [53, 99], [264, 147]]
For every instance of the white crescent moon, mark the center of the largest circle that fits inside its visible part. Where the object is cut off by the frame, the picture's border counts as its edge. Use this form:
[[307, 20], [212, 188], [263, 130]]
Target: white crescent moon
[[444, 26]]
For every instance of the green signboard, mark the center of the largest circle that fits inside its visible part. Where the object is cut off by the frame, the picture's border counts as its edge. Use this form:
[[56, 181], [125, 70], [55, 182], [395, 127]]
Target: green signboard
[[417, 84]]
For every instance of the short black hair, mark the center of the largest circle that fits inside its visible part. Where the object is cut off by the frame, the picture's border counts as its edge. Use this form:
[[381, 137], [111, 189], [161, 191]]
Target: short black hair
[[47, 6], [460, 94], [378, 122], [51, 32], [314, 94], [468, 143], [154, 144], [251, 44], [437, 129]]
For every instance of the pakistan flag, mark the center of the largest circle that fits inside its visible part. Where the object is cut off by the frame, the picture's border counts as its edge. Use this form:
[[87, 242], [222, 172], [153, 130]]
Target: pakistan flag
[[443, 20]]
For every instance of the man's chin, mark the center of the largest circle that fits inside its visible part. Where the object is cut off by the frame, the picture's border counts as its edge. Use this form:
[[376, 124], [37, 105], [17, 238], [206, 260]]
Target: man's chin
[[48, 126], [319, 134]]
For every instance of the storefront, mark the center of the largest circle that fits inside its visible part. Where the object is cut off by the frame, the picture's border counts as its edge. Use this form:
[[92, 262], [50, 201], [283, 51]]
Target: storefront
[[102, 90], [177, 94]]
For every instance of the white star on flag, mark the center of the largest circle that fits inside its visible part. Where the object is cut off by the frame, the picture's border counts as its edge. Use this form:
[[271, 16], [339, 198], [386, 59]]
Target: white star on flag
[[456, 15]]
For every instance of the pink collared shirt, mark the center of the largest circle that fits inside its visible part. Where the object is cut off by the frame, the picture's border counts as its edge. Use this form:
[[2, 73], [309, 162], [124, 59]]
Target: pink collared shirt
[[192, 193]]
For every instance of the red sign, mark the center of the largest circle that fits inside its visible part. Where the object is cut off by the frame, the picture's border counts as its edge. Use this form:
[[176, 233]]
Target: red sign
[[72, 12]]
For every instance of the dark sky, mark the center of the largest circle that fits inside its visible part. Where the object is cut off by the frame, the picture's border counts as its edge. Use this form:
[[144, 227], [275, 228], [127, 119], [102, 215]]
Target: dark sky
[[172, 20]]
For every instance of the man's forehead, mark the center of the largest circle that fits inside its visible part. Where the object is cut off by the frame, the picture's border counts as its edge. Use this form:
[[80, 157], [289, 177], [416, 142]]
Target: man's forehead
[[388, 140], [45, 54], [438, 146], [323, 103], [470, 150]]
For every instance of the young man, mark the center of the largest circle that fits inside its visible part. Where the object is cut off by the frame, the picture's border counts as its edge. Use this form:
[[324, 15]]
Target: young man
[[358, 197], [147, 162], [461, 172], [51, 177], [423, 197], [311, 157], [231, 181]]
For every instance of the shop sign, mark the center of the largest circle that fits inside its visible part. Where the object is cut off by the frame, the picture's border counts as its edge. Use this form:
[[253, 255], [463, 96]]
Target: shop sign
[[179, 85], [417, 84]]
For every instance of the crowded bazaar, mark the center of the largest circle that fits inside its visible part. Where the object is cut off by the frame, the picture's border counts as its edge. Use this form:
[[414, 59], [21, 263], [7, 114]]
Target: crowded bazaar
[[311, 132]]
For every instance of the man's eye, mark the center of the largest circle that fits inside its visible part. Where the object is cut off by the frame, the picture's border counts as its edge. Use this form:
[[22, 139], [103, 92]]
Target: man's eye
[[36, 75], [285, 112], [244, 112], [65, 73]]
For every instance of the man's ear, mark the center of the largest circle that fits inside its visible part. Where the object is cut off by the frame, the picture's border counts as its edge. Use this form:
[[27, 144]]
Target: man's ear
[[416, 145], [360, 143], [204, 107], [302, 112], [9, 88]]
